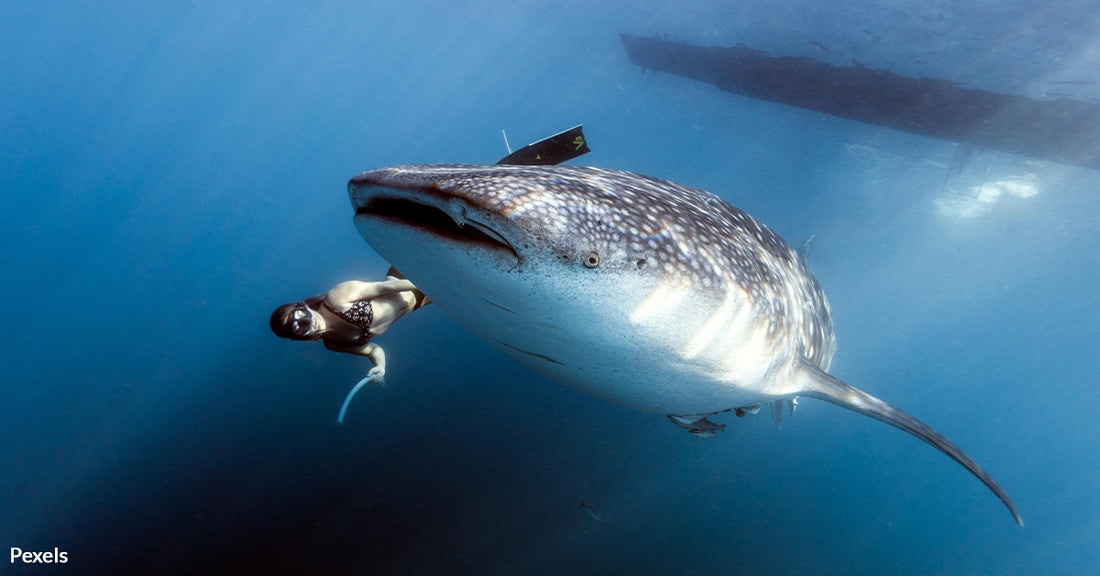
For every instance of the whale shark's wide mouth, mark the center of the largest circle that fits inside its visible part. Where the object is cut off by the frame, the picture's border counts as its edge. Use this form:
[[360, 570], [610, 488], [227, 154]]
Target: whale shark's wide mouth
[[436, 222]]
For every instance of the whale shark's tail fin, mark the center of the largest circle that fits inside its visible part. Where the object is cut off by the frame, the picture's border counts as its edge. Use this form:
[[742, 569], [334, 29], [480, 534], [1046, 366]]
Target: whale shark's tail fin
[[818, 384], [554, 149]]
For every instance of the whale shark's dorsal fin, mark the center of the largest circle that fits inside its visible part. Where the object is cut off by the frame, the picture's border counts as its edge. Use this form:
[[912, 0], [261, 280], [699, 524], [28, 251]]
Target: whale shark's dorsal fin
[[804, 249], [817, 384]]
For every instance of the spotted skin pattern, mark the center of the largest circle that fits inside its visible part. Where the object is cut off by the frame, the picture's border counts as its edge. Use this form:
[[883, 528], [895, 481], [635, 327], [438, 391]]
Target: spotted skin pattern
[[679, 232]]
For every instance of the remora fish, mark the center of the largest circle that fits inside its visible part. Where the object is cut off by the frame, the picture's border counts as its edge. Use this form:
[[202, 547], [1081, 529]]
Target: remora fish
[[642, 292]]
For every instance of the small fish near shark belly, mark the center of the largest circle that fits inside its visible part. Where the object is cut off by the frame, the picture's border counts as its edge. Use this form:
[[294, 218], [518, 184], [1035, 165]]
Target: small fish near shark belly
[[644, 292]]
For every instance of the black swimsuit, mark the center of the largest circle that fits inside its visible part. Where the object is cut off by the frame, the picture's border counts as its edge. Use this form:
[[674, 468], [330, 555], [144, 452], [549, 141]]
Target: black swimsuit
[[360, 314]]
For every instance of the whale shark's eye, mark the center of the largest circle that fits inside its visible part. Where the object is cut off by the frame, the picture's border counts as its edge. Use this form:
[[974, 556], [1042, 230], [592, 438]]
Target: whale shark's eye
[[592, 260]]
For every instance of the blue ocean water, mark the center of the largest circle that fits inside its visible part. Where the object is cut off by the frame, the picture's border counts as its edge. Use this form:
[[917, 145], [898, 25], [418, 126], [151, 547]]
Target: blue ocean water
[[173, 171]]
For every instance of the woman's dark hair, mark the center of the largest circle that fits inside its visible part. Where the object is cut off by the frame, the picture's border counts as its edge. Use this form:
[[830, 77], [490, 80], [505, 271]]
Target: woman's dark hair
[[282, 319]]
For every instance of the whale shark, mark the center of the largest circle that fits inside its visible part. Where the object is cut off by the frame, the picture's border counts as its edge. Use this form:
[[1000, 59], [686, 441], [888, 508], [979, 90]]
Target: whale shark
[[643, 292]]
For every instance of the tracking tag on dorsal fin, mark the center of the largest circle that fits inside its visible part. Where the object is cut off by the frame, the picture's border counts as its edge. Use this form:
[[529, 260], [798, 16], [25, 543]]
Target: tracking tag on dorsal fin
[[552, 150]]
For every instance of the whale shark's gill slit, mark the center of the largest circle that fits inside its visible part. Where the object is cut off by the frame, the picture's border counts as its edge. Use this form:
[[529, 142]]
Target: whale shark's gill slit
[[508, 310], [534, 354], [434, 220]]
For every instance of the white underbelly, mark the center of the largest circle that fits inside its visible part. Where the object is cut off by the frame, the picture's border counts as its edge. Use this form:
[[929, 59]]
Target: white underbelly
[[650, 346]]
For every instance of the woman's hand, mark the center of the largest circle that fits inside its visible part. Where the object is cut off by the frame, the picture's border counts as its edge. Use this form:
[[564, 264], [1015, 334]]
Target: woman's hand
[[377, 375]]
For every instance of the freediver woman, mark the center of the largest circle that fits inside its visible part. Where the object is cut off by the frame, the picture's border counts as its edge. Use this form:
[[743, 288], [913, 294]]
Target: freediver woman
[[348, 317]]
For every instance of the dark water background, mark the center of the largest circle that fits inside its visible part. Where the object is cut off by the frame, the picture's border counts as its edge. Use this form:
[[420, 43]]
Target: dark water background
[[170, 172]]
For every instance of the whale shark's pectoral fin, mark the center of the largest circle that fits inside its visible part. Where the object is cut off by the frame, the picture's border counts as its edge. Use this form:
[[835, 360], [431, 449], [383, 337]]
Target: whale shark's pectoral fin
[[783, 409], [817, 384], [697, 424]]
